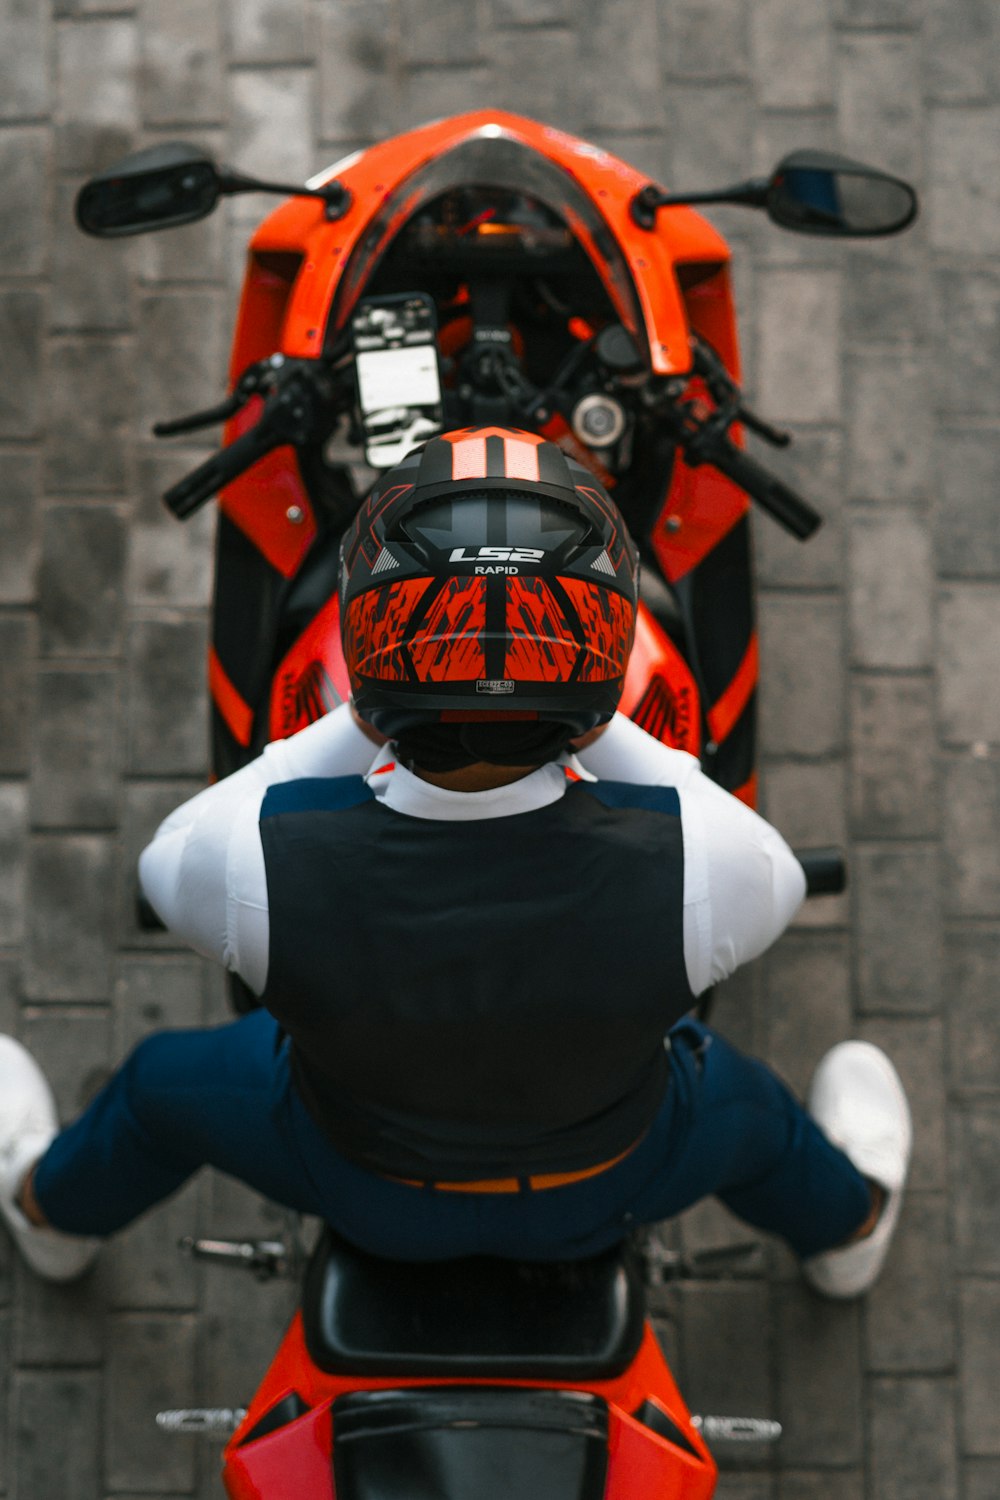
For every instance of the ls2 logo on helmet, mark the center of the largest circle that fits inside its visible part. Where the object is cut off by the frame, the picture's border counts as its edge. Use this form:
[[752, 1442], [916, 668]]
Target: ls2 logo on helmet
[[497, 559]]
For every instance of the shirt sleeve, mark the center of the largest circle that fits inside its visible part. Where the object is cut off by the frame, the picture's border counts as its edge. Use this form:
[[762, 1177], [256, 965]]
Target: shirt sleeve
[[742, 883], [203, 872]]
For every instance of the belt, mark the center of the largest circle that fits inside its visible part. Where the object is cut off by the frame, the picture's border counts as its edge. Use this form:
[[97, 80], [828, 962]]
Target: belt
[[517, 1184]]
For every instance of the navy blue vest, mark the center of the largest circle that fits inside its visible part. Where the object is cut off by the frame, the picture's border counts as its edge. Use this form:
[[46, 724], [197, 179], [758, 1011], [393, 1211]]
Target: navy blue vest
[[477, 999]]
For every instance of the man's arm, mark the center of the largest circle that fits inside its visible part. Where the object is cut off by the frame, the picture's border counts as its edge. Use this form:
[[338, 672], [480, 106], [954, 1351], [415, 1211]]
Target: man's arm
[[203, 872], [742, 883]]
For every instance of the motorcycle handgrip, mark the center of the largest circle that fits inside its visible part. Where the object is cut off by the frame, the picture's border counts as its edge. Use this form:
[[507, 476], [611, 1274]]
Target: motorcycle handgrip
[[794, 513], [825, 871], [184, 497]]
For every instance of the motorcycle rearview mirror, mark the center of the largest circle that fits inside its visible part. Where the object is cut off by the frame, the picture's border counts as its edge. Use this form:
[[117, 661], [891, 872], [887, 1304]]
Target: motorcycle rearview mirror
[[819, 192], [173, 184], [812, 192]]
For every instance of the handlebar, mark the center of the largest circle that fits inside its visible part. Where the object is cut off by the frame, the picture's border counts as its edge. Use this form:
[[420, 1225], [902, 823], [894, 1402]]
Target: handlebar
[[299, 408], [771, 493]]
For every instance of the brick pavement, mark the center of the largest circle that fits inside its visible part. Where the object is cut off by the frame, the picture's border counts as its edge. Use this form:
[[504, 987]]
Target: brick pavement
[[881, 717]]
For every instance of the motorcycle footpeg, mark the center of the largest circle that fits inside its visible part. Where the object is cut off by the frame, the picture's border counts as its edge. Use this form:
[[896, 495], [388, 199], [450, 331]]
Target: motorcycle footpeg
[[737, 1429], [747, 1259], [202, 1421], [265, 1258]]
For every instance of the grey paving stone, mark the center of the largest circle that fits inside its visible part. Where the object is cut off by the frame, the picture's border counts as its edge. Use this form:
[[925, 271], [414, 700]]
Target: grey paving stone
[[894, 784], [969, 626], [181, 63], [73, 1050], [185, 328], [806, 801], [819, 1380], [69, 918], [24, 61], [744, 1487], [889, 433], [152, 993], [357, 62], [91, 415], [890, 572], [627, 31], [885, 292], [916, 1049], [961, 52], [170, 562], [59, 1326], [20, 478], [5, 1370], [972, 963], [13, 880], [55, 1421], [75, 753], [90, 283], [80, 585], [721, 1329], [430, 35], [877, 13], [967, 521], [963, 203], [791, 49], [971, 800], [913, 1440], [435, 92], [975, 1169], [981, 1479], [269, 31], [150, 1367], [67, 9], [147, 803], [146, 1270], [242, 1323], [21, 314], [980, 1318], [536, 66], [704, 40], [96, 126], [23, 159], [878, 100], [814, 467], [800, 377], [167, 714], [897, 912], [910, 1313], [17, 649], [530, 12], [802, 688], [808, 988], [708, 125], [965, 328], [828, 1484]]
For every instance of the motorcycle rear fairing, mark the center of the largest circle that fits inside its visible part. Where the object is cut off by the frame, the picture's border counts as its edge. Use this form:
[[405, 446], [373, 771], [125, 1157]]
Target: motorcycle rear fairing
[[556, 1370]]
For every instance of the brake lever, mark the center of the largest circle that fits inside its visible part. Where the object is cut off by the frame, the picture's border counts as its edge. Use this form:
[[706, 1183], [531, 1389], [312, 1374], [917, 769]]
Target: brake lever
[[252, 382]]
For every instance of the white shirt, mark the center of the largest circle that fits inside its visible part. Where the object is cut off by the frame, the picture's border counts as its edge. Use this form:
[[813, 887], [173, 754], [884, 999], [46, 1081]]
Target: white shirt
[[204, 872]]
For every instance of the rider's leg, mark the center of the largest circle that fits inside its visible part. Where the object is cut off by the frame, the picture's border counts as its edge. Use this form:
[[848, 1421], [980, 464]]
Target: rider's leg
[[182, 1100]]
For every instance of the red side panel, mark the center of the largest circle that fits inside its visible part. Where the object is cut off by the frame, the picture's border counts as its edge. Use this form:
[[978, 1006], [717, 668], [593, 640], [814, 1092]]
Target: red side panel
[[292, 1463], [660, 692], [313, 678], [643, 1466]]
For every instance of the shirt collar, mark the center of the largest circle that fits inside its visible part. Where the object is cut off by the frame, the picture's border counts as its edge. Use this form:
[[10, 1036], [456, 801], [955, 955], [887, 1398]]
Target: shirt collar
[[404, 792]]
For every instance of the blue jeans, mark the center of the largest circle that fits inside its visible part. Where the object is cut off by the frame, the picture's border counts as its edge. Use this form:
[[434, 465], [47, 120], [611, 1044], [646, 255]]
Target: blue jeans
[[223, 1098]]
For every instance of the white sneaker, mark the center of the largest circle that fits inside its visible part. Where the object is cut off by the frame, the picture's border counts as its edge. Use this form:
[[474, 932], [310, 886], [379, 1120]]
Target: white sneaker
[[858, 1102], [28, 1123]]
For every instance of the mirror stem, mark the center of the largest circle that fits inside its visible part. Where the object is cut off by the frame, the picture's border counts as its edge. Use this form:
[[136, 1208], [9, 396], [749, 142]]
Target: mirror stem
[[334, 194], [646, 202]]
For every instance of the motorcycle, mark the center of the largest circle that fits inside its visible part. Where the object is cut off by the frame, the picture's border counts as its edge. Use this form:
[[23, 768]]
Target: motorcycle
[[481, 272]]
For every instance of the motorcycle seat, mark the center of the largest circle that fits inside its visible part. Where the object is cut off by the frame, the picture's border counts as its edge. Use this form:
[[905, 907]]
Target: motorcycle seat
[[483, 1317]]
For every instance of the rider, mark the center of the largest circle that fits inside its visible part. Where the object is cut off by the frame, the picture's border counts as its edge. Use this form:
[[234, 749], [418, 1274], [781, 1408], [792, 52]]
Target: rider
[[476, 949]]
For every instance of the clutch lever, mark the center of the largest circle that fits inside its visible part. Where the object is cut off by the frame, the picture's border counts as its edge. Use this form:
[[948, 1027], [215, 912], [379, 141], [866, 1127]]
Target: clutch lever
[[255, 379]]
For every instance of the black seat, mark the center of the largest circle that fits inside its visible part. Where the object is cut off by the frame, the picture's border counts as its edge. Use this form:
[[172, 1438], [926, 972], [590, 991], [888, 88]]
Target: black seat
[[490, 1318]]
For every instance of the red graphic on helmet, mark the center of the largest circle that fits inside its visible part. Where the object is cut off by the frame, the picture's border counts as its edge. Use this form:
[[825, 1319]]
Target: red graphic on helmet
[[448, 644], [542, 644], [607, 621], [373, 628]]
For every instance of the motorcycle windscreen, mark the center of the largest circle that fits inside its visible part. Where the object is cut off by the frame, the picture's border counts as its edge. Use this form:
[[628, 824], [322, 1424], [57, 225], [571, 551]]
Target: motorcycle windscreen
[[470, 1443], [490, 205]]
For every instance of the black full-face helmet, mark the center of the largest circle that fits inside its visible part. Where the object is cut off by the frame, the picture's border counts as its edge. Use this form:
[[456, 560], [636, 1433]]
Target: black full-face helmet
[[488, 579]]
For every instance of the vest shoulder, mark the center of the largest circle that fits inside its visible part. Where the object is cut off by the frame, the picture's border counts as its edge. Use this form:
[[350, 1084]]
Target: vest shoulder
[[629, 795], [316, 794]]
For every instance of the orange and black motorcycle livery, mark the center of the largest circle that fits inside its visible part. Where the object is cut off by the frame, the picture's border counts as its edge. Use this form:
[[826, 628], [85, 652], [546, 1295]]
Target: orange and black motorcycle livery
[[571, 298]]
